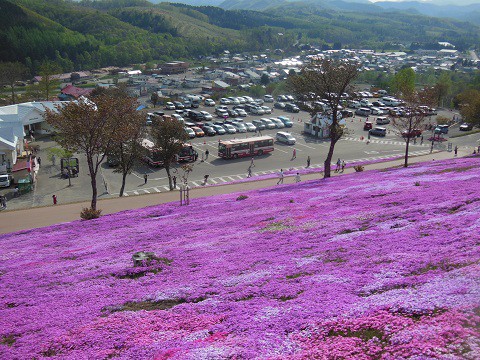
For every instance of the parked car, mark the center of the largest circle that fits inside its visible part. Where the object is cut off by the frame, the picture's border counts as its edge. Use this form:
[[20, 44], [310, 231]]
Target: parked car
[[209, 102], [292, 108], [178, 105], [234, 100], [282, 98], [288, 123], [466, 127], [229, 129], [367, 126], [376, 111], [258, 124], [6, 180], [232, 113], [257, 110], [363, 111], [225, 101], [268, 98], [378, 103], [268, 123], [382, 120], [209, 131], [170, 105], [250, 127], [378, 131], [266, 110], [178, 117], [190, 132], [219, 129], [346, 113], [206, 115], [241, 112], [279, 105], [221, 113], [278, 123], [354, 104], [187, 104], [240, 127], [285, 138], [198, 132]]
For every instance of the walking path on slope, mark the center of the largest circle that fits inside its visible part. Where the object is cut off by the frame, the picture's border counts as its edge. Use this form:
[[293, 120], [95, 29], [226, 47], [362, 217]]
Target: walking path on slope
[[17, 220]]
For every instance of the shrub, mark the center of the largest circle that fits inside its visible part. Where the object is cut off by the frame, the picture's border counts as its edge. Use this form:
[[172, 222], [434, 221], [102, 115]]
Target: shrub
[[292, 201], [358, 168], [417, 183], [242, 197], [89, 214]]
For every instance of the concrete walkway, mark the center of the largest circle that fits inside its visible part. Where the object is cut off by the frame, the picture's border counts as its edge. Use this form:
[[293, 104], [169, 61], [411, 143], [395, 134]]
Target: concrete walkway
[[22, 219]]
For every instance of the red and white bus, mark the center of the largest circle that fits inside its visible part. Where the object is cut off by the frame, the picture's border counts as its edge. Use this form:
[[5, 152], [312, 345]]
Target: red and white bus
[[233, 149], [153, 157]]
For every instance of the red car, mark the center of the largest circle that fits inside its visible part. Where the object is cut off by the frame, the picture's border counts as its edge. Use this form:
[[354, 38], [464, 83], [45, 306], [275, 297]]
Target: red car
[[412, 134], [367, 126]]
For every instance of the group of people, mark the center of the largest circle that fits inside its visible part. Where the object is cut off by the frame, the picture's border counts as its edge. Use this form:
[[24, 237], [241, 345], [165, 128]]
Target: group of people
[[340, 165]]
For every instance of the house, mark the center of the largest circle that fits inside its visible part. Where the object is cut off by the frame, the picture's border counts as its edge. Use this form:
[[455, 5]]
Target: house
[[319, 125], [23, 119], [174, 67], [71, 92], [9, 147]]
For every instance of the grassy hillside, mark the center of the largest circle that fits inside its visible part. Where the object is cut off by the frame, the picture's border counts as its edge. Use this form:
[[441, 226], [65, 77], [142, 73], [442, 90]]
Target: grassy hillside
[[381, 264], [91, 34]]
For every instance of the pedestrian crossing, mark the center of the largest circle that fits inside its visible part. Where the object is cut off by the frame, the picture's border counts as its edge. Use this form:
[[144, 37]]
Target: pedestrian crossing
[[237, 177], [384, 141]]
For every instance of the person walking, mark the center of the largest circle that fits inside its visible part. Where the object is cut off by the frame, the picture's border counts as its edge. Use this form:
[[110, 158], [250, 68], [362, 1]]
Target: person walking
[[297, 178], [456, 150], [39, 161], [145, 178], [251, 162], [3, 202], [206, 154], [54, 159], [294, 154], [421, 140], [308, 161], [280, 177], [205, 179], [339, 163], [174, 179], [16, 192], [249, 172], [343, 165], [54, 198]]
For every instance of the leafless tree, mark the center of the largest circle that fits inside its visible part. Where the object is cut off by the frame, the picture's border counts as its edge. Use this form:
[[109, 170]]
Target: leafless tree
[[324, 79], [10, 73], [411, 123], [91, 127], [169, 137]]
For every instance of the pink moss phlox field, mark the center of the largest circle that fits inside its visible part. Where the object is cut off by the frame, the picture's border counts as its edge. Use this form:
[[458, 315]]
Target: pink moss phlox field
[[372, 265]]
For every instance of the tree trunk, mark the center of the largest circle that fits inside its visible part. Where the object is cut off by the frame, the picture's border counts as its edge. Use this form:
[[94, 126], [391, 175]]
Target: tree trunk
[[167, 169], [122, 188], [406, 152], [328, 161], [93, 182]]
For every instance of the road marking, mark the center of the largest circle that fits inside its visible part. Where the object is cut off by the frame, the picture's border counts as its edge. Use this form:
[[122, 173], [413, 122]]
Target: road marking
[[221, 179], [156, 189], [310, 147], [213, 181], [195, 183]]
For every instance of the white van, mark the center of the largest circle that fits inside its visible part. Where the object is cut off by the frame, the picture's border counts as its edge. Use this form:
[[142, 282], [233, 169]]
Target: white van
[[363, 111], [285, 137], [382, 120], [389, 101]]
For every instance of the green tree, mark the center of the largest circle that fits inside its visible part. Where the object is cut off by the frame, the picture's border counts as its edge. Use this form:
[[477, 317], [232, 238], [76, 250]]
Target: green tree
[[469, 102], [89, 127], [154, 98], [403, 83], [443, 86], [168, 135], [49, 82], [264, 79], [10, 73], [327, 79]]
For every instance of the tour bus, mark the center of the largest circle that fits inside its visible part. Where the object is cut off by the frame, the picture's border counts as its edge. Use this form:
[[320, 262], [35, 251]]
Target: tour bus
[[233, 149], [153, 157]]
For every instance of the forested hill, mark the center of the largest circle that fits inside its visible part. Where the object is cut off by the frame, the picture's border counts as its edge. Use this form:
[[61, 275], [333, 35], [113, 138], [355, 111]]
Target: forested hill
[[90, 34]]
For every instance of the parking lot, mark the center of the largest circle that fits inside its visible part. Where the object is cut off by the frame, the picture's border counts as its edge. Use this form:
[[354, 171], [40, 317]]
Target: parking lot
[[352, 147]]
